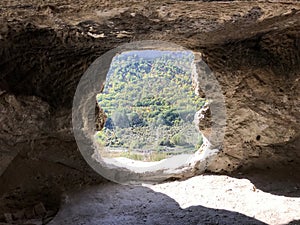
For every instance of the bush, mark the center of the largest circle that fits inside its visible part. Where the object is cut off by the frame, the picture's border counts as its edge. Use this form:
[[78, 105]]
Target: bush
[[120, 119], [178, 139], [135, 120], [170, 117], [199, 143], [157, 156], [165, 142], [109, 124], [136, 145], [133, 156]]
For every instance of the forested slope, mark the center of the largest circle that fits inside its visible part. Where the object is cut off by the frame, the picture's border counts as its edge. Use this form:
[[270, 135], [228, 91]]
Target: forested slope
[[150, 103]]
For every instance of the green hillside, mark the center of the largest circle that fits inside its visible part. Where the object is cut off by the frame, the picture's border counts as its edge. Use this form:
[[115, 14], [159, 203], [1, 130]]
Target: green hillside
[[150, 104]]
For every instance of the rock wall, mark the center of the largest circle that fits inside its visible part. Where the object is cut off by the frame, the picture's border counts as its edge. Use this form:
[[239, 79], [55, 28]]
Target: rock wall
[[252, 48]]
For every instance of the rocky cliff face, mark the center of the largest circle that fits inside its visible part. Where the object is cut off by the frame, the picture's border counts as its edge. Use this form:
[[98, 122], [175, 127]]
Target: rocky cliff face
[[253, 48]]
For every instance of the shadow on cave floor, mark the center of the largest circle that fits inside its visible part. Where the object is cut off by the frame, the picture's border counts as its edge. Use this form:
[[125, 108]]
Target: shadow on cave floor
[[294, 222], [278, 174], [284, 181], [119, 204]]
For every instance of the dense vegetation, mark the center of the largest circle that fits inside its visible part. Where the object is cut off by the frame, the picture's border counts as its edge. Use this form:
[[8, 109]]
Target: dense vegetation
[[150, 104]]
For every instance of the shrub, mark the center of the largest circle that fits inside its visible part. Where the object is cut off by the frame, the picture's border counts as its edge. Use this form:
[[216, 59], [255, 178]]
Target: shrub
[[178, 139], [165, 142], [199, 143], [120, 119], [157, 156]]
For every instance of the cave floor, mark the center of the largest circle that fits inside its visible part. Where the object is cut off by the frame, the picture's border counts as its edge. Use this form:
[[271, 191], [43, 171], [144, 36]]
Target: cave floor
[[205, 199]]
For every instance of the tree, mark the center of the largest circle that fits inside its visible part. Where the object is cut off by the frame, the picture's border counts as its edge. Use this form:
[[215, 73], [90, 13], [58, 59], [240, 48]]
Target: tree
[[109, 124], [120, 119], [135, 120]]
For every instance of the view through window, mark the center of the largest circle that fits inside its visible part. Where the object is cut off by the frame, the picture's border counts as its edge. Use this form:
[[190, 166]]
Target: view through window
[[150, 105]]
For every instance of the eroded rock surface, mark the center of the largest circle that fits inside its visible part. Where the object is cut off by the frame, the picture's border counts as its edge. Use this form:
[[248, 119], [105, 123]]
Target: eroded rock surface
[[252, 48]]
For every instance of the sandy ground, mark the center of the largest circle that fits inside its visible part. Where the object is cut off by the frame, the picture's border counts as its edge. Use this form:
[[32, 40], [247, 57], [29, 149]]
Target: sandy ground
[[205, 199]]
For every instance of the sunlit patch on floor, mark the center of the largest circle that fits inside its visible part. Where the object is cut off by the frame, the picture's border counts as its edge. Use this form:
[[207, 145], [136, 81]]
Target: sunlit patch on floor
[[206, 199]]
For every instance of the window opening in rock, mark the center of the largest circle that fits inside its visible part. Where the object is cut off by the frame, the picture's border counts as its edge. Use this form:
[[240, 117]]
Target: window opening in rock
[[150, 104]]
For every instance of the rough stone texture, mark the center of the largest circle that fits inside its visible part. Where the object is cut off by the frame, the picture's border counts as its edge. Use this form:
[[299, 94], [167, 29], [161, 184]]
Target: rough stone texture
[[204, 199], [252, 48], [140, 205]]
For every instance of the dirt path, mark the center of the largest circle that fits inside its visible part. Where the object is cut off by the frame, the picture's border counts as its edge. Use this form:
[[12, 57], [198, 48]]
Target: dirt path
[[206, 199]]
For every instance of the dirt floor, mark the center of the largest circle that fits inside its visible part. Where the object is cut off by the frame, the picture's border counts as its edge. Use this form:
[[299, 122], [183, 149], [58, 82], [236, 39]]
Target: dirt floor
[[205, 199]]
